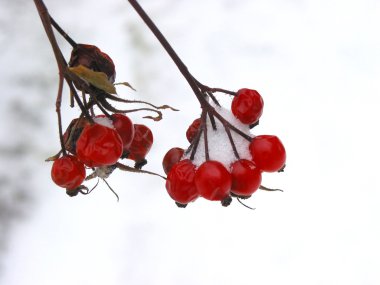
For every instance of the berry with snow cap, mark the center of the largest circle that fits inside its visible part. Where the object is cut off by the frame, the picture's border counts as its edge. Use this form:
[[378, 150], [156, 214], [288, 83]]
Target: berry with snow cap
[[99, 145]]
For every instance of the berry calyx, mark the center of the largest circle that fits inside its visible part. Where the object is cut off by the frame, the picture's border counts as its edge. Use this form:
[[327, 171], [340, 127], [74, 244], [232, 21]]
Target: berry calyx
[[213, 181], [268, 153], [125, 129], [247, 106], [246, 178], [93, 58], [172, 157], [99, 145], [193, 129], [141, 143], [68, 172], [180, 182]]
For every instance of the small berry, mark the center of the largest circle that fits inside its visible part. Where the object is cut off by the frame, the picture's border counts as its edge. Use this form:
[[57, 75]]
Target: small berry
[[213, 181], [99, 145], [180, 182], [125, 129], [268, 153], [141, 143], [68, 172], [193, 130], [247, 106], [246, 178], [172, 157], [93, 58]]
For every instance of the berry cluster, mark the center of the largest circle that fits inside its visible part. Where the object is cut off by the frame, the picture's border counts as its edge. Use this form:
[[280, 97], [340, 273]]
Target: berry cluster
[[229, 163], [99, 146], [217, 175], [93, 141]]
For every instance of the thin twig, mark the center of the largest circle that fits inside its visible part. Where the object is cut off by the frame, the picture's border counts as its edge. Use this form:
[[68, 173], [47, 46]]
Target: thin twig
[[63, 33], [58, 110]]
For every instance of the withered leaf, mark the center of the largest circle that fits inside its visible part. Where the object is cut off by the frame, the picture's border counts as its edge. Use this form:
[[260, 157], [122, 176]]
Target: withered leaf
[[98, 79]]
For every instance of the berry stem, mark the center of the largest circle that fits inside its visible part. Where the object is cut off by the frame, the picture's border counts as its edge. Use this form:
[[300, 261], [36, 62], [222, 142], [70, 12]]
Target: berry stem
[[62, 32], [228, 131], [58, 110], [173, 55], [205, 88], [61, 62], [200, 90], [205, 138]]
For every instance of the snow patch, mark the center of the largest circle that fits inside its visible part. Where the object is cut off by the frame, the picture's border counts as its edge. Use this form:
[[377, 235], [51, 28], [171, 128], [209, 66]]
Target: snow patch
[[104, 121], [219, 145]]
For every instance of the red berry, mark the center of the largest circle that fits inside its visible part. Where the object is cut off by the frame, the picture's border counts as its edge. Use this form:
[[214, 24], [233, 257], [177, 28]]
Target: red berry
[[93, 58], [247, 106], [213, 181], [141, 144], [125, 129], [193, 129], [268, 153], [99, 145], [246, 177], [180, 182], [172, 157], [68, 172]]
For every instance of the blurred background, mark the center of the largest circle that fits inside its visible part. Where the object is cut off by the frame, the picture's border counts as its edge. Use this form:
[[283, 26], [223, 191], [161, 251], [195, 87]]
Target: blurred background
[[317, 66]]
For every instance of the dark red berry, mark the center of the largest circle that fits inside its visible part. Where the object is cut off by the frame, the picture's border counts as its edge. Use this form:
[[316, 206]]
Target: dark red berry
[[246, 177], [93, 58], [125, 129], [193, 130], [73, 132], [247, 106], [68, 172], [268, 153], [213, 181], [99, 145], [141, 143], [172, 157], [180, 182]]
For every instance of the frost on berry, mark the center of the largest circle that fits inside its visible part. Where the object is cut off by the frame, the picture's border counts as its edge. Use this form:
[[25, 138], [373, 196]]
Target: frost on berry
[[219, 145], [104, 121]]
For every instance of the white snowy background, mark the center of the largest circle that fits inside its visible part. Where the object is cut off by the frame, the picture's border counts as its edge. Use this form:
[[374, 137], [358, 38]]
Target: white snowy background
[[317, 65]]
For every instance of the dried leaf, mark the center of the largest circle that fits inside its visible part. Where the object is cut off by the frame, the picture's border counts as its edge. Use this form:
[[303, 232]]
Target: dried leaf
[[158, 118], [125, 84], [166, 107], [54, 157], [98, 79]]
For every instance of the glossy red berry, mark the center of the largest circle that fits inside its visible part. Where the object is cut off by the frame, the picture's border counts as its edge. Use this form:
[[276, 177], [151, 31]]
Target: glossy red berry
[[141, 143], [213, 181], [268, 153], [68, 172], [246, 177], [125, 129], [93, 58], [99, 146], [172, 157], [180, 182], [193, 129], [247, 106]]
